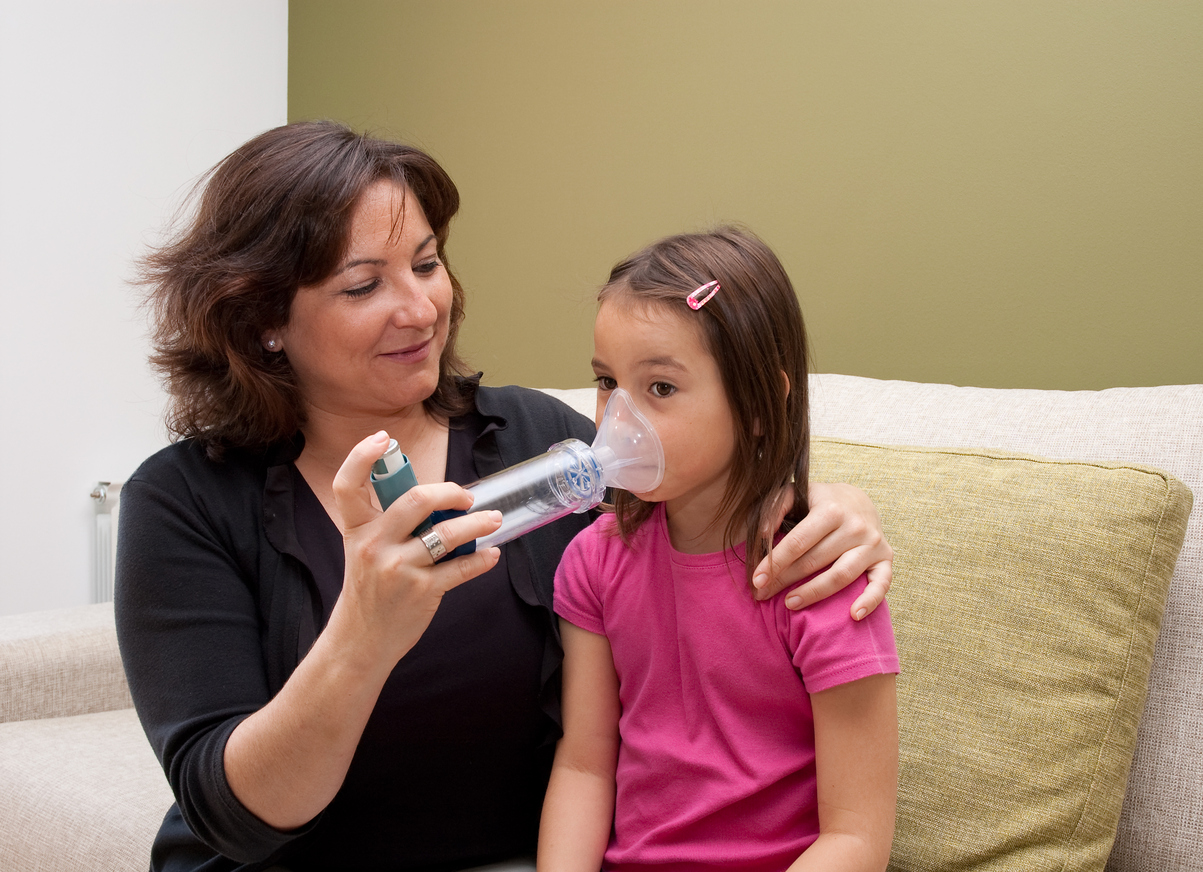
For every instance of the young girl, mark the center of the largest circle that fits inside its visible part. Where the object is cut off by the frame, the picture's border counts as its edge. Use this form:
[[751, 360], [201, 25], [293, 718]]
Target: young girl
[[703, 728]]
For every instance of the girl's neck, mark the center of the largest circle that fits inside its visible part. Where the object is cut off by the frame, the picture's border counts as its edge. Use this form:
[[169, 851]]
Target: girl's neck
[[696, 527]]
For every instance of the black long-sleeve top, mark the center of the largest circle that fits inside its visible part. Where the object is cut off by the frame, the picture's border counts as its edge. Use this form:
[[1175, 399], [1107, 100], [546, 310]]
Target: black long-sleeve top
[[217, 602]]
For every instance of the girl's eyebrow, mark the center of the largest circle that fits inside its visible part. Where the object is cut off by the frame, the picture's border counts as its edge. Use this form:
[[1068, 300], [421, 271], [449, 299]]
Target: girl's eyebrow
[[666, 361]]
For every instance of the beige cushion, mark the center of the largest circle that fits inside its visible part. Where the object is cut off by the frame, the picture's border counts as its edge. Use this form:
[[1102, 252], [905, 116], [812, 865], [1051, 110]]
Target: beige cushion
[[1162, 824], [79, 794], [60, 662], [1027, 602]]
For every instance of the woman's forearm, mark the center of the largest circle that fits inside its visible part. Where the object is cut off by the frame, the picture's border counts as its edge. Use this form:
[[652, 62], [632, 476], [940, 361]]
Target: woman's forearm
[[286, 761]]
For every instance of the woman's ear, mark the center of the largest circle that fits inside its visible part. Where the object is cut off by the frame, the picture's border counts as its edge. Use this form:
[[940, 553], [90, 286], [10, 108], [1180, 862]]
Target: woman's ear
[[272, 343], [787, 384]]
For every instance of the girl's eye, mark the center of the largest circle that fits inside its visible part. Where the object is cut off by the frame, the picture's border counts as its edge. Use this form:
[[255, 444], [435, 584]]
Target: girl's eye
[[362, 290], [605, 383], [663, 389], [427, 267]]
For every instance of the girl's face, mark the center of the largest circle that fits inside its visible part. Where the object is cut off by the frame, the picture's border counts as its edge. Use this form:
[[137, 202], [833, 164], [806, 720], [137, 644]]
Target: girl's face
[[659, 358], [367, 340]]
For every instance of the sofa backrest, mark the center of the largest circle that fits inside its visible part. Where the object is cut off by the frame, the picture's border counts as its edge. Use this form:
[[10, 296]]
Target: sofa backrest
[[60, 663]]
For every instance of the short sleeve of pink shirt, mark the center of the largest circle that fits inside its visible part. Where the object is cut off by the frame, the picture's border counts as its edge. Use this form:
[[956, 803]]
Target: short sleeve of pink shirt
[[829, 648]]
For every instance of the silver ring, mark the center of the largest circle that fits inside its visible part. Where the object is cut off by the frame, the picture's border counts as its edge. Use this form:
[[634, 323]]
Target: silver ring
[[434, 544]]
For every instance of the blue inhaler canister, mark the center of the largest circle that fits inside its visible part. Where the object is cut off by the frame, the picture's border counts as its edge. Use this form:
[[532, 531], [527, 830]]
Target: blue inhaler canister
[[392, 476]]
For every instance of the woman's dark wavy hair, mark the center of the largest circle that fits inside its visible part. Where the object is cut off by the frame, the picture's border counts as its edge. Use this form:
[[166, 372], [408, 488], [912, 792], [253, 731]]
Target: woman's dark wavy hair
[[753, 329], [273, 216]]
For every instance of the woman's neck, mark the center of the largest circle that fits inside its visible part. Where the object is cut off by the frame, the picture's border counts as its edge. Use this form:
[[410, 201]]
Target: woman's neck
[[329, 438]]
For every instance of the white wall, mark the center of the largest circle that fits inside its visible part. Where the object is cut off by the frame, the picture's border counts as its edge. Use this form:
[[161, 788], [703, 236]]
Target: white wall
[[108, 112]]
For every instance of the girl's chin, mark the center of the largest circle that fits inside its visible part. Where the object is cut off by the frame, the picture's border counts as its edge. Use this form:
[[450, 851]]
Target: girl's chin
[[646, 496]]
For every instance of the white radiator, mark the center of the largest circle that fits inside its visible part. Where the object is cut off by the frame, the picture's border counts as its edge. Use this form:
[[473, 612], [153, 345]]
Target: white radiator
[[106, 497]]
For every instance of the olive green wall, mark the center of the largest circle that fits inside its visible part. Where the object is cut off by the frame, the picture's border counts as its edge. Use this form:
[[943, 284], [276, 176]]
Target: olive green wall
[[1004, 193]]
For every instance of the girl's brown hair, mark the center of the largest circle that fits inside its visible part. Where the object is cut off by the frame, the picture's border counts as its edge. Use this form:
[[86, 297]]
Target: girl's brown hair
[[754, 331], [271, 217]]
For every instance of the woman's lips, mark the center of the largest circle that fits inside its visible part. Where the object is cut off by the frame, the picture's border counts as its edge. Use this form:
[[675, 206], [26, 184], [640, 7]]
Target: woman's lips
[[412, 354]]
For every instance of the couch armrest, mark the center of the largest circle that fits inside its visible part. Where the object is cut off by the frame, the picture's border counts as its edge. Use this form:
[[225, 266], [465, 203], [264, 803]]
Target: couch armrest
[[59, 663]]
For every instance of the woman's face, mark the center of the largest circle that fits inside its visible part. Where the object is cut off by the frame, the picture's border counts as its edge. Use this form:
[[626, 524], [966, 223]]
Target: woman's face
[[366, 341]]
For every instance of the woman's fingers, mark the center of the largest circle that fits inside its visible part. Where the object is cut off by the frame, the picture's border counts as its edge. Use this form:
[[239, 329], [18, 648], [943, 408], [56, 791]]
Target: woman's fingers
[[457, 531], [839, 544], [835, 578], [881, 575], [391, 587], [394, 544], [353, 493], [818, 540], [352, 490], [455, 572]]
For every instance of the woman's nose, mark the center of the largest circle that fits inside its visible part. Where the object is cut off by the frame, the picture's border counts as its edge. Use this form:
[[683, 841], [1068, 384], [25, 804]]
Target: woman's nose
[[412, 307]]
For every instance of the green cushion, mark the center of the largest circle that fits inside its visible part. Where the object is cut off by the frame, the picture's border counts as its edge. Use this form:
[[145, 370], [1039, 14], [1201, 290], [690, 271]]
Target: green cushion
[[1027, 598]]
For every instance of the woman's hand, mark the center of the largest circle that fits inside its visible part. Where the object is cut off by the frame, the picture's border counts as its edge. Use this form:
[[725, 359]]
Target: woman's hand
[[392, 587], [843, 533], [286, 761]]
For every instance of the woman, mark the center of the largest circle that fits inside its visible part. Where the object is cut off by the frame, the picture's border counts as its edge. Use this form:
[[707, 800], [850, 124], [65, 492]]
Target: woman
[[320, 695]]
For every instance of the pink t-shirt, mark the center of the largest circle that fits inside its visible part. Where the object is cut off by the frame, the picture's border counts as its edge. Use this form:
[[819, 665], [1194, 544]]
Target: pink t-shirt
[[716, 765]]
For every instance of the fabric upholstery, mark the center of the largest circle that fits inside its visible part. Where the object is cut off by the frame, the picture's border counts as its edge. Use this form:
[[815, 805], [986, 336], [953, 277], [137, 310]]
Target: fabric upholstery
[[59, 663], [79, 794], [1160, 427], [1027, 601]]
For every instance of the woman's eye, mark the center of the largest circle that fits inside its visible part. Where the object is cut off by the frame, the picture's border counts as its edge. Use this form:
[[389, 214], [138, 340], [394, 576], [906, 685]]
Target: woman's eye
[[663, 389], [605, 383], [427, 267], [362, 290]]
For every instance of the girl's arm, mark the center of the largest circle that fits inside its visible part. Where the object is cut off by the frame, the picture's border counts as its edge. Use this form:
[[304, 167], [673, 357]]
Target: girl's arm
[[843, 533], [579, 808], [856, 758]]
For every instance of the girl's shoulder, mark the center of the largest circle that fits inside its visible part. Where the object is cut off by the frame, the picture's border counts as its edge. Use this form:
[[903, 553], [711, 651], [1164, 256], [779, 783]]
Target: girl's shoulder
[[599, 536], [828, 647], [599, 548]]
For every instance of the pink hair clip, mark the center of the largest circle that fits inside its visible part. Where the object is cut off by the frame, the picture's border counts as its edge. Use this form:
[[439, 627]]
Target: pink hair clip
[[702, 295]]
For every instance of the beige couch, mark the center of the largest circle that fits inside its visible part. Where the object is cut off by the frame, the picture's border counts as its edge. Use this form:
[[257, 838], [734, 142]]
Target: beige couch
[[1028, 599]]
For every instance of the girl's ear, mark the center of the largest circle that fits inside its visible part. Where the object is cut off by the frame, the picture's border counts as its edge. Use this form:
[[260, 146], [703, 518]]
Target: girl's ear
[[757, 429], [272, 342]]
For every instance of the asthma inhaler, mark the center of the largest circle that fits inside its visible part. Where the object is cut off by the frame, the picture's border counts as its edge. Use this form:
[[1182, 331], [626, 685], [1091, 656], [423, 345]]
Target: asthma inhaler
[[570, 477], [392, 476]]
